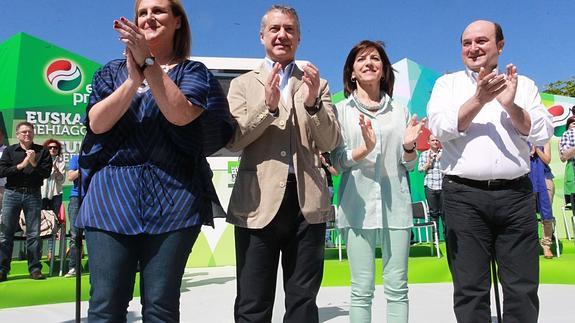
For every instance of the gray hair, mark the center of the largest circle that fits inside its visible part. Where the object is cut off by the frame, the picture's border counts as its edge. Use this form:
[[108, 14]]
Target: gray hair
[[286, 10]]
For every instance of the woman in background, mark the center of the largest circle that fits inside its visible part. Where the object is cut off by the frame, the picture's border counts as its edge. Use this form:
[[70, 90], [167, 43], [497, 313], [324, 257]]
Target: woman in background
[[377, 151], [52, 187], [544, 189]]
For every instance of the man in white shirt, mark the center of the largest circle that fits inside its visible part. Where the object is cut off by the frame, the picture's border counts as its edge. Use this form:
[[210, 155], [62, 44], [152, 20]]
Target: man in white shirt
[[484, 120]]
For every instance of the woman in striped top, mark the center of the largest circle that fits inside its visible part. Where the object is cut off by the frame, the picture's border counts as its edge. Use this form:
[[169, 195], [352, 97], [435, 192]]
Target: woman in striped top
[[153, 118]]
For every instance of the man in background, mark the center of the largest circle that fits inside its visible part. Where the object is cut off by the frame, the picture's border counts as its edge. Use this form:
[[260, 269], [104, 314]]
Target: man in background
[[430, 165], [25, 165]]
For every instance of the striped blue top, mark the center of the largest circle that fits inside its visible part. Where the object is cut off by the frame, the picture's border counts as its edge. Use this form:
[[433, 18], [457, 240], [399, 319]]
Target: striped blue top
[[147, 175]]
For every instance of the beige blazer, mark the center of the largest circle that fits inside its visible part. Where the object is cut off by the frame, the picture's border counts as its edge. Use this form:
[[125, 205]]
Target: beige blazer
[[269, 143]]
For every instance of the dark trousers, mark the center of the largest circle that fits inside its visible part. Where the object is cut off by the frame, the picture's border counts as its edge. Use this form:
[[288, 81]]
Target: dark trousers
[[114, 259], [482, 221], [435, 204], [257, 255], [73, 209]]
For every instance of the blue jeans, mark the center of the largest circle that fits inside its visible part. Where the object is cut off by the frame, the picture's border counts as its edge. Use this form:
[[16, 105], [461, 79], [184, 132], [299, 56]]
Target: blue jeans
[[114, 260], [73, 209], [12, 204]]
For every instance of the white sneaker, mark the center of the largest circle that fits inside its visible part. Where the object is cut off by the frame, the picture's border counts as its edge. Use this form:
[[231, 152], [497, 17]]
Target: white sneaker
[[71, 273]]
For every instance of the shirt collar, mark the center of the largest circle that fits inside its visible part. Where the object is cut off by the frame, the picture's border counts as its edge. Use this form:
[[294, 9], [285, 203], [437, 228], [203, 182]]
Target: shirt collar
[[286, 70], [474, 75]]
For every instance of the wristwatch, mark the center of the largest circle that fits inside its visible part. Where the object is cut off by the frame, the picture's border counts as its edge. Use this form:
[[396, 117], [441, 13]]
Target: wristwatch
[[409, 151], [314, 108], [148, 61]]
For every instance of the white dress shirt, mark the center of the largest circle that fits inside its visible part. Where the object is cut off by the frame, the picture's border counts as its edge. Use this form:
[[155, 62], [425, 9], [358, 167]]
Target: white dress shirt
[[490, 148]]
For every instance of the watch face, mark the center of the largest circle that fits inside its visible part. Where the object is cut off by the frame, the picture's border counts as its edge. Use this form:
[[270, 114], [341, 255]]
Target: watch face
[[149, 61]]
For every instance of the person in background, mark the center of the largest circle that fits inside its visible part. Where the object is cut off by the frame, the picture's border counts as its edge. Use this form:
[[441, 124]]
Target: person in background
[[152, 119], [430, 164], [73, 208], [374, 158], [2, 179], [25, 165], [52, 187], [543, 188], [280, 201], [567, 154], [330, 171]]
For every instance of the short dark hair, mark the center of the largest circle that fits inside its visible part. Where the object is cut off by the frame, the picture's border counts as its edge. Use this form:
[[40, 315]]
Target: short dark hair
[[569, 121], [24, 123], [388, 77], [498, 32]]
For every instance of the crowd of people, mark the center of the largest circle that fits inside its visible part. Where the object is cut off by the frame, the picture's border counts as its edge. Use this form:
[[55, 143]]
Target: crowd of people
[[32, 183], [155, 115]]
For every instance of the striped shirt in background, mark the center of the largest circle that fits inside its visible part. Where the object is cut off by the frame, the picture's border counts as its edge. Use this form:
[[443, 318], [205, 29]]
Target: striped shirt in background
[[567, 141], [147, 175]]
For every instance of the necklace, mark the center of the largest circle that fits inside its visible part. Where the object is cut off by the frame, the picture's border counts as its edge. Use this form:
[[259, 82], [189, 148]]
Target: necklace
[[372, 108], [166, 67]]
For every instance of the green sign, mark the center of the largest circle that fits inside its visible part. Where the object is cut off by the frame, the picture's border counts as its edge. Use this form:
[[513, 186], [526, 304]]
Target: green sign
[[47, 86]]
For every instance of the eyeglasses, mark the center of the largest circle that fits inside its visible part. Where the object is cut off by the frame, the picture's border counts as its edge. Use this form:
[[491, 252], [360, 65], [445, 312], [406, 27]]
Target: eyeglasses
[[52, 147]]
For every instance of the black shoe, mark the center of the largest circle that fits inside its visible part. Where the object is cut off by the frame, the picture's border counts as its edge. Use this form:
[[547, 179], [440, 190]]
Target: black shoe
[[3, 277], [37, 275]]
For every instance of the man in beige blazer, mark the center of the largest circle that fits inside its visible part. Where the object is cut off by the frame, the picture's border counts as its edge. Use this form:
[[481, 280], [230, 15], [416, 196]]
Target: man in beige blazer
[[280, 200]]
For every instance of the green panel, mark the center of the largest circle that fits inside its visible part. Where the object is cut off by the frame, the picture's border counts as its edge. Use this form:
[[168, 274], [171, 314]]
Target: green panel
[[422, 90], [336, 97], [9, 56], [201, 255], [225, 253]]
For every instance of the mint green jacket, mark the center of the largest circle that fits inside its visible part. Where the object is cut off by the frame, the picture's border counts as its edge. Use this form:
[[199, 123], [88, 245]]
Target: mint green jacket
[[374, 192]]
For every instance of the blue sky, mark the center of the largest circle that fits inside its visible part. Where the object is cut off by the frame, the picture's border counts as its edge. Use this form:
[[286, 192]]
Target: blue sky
[[539, 34]]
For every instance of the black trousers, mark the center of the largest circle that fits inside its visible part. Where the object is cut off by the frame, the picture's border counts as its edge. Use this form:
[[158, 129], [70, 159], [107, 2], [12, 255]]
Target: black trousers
[[435, 203], [257, 255], [481, 222]]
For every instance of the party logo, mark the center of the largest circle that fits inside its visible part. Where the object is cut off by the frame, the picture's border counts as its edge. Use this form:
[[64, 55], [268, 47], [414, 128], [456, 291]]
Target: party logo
[[63, 75]]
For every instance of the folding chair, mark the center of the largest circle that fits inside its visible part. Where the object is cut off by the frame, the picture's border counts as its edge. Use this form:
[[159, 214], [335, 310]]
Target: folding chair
[[422, 219], [332, 230], [564, 209]]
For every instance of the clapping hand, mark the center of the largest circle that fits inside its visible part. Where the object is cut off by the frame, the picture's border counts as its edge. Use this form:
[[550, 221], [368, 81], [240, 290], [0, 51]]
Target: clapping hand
[[311, 80], [489, 85], [507, 97], [31, 157], [272, 88], [136, 47], [367, 133], [413, 131]]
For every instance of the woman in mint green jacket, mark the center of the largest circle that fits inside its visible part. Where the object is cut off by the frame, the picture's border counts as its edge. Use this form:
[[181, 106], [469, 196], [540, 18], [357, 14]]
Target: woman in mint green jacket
[[375, 204]]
